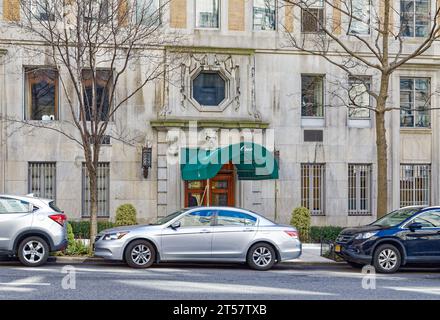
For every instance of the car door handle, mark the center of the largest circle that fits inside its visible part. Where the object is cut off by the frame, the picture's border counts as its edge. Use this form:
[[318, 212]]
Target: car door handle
[[205, 231]]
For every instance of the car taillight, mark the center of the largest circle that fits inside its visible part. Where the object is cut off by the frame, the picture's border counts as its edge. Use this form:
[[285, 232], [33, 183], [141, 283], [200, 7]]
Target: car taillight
[[293, 234], [59, 218]]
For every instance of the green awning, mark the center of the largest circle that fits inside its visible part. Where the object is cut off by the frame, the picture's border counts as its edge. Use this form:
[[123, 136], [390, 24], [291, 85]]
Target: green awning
[[253, 162]]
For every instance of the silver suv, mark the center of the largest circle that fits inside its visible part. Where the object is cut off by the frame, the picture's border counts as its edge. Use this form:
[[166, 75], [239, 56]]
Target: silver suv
[[30, 228]]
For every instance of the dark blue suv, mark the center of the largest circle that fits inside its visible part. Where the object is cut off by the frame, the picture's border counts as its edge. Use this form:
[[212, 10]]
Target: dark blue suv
[[409, 235]]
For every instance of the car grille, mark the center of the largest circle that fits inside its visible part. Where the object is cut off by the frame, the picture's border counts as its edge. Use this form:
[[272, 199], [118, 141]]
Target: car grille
[[344, 238]]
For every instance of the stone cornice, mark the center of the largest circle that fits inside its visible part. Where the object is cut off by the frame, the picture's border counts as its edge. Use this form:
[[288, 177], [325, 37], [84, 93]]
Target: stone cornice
[[221, 124]]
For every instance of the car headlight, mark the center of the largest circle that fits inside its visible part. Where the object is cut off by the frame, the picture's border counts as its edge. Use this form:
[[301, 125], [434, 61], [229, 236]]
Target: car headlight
[[365, 235], [114, 236]]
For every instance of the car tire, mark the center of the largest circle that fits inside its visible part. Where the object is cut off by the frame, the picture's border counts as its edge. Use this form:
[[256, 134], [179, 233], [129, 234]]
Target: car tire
[[261, 256], [33, 251], [140, 254], [387, 259], [355, 265]]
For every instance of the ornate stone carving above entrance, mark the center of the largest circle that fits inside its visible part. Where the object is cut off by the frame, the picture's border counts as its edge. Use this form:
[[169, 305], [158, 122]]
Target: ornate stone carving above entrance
[[224, 67]]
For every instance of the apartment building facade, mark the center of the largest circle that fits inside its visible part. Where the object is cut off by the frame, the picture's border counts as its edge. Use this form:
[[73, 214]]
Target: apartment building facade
[[240, 74]]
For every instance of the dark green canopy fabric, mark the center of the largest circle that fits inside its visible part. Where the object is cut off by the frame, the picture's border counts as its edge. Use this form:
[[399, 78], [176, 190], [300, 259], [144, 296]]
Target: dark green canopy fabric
[[253, 162]]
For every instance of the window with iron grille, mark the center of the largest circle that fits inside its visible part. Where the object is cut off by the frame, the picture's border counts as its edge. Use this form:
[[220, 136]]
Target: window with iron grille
[[359, 189], [103, 184], [42, 179], [415, 184], [313, 187], [312, 16]]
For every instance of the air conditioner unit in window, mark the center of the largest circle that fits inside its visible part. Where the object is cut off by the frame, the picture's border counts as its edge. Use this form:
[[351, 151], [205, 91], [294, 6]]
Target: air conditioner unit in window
[[45, 117]]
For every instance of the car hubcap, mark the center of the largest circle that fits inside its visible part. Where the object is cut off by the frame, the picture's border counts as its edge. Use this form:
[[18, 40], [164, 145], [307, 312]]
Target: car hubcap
[[387, 259], [262, 256], [33, 251], [141, 254]]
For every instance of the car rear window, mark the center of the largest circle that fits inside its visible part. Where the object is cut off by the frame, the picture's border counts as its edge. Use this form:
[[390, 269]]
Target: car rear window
[[54, 207]]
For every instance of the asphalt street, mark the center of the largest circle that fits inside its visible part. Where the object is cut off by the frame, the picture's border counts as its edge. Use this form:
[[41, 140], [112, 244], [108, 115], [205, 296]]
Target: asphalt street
[[169, 281]]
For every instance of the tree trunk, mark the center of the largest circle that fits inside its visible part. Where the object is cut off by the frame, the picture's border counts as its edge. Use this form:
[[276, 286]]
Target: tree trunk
[[382, 165], [382, 147], [93, 207]]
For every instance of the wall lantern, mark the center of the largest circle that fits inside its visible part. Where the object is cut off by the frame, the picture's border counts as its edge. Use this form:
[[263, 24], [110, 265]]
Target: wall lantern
[[146, 160]]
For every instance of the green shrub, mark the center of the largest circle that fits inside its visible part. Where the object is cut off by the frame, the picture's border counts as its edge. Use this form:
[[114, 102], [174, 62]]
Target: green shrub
[[81, 229], [126, 215], [301, 221], [327, 233], [74, 247]]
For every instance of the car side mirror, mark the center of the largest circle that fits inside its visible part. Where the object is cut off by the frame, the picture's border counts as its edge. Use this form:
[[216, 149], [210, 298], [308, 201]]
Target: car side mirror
[[175, 225], [415, 226]]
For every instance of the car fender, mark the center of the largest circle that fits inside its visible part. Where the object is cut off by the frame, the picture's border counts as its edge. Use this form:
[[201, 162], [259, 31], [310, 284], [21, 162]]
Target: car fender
[[263, 239], [32, 232], [141, 237], [394, 241]]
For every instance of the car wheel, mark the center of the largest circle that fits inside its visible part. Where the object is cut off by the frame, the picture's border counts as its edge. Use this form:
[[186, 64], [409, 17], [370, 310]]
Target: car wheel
[[140, 254], [355, 265], [33, 251], [387, 259], [261, 256]]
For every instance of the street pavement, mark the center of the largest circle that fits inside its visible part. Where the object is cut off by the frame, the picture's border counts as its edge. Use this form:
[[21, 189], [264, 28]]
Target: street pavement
[[204, 282]]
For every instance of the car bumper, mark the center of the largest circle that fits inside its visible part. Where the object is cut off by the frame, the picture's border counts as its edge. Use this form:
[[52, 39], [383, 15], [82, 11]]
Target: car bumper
[[291, 252], [353, 256], [61, 246], [111, 250]]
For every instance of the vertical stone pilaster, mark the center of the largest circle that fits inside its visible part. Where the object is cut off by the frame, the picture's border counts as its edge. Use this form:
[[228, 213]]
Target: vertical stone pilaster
[[236, 14], [178, 14]]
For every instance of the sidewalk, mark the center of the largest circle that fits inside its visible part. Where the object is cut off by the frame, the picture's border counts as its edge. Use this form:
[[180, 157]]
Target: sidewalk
[[311, 254]]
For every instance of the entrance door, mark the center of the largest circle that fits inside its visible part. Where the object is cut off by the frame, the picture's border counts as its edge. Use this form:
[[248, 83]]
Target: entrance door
[[218, 191]]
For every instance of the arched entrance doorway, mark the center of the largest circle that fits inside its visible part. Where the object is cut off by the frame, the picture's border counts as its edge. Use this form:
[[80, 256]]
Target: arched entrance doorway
[[218, 191]]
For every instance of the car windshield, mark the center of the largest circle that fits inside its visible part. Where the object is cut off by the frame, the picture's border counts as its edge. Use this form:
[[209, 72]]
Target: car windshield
[[396, 217], [169, 217]]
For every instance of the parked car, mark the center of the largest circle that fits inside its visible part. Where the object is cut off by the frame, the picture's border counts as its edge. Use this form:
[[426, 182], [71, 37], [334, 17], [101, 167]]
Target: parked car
[[202, 234], [410, 235], [31, 228]]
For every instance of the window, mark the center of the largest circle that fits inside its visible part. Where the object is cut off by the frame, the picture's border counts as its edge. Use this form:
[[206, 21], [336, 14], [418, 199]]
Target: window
[[207, 14], [8, 205], [359, 189], [359, 17], [430, 219], [97, 10], [103, 182], [359, 97], [147, 12], [312, 16], [415, 184], [41, 94], [312, 96], [42, 179], [312, 187], [209, 88], [415, 102], [197, 219], [104, 84], [264, 15], [232, 218], [43, 10], [415, 17]]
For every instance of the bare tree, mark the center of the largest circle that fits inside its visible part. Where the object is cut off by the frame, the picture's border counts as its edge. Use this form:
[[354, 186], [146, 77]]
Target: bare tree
[[91, 46], [360, 36]]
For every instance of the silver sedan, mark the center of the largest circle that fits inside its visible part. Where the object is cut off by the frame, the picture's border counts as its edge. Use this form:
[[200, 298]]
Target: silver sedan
[[202, 234]]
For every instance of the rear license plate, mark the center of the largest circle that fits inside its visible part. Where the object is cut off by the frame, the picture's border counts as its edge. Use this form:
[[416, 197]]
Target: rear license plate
[[337, 248]]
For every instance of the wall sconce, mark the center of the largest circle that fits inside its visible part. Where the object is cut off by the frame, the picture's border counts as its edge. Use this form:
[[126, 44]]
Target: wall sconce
[[146, 160]]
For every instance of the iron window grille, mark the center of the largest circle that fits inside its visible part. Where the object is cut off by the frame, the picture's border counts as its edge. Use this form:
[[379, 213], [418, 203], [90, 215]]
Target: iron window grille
[[359, 189], [103, 185], [42, 179], [415, 184], [313, 188]]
